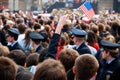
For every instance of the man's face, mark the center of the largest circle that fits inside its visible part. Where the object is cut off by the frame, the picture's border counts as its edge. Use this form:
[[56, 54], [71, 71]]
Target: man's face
[[105, 55], [75, 39], [9, 38]]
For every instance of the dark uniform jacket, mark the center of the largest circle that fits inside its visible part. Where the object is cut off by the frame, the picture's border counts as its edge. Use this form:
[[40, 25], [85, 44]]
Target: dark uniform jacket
[[39, 48], [110, 71], [83, 49], [15, 46]]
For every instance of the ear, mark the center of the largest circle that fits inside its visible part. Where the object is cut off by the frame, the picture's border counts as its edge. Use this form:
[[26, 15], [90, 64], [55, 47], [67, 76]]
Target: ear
[[74, 69]]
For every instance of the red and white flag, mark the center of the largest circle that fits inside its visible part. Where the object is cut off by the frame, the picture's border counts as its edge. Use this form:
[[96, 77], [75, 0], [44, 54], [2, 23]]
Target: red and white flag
[[87, 9]]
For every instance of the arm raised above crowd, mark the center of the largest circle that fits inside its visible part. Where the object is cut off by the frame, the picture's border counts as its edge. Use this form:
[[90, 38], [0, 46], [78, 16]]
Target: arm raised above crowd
[[53, 45], [62, 21]]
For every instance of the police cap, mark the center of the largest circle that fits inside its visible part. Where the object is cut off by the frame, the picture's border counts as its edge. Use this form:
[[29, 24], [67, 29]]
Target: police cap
[[109, 45], [79, 33], [13, 31], [36, 36]]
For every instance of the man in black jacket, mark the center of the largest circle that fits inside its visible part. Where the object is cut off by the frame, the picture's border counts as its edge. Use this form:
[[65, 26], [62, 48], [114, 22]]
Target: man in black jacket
[[12, 39], [36, 41], [110, 69], [80, 41]]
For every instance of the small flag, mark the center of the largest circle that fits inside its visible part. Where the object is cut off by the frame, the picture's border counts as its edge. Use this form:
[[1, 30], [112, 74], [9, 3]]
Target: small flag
[[87, 9]]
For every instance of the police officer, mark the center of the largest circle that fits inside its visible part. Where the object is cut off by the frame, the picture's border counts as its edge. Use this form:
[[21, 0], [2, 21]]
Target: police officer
[[79, 38], [110, 69], [12, 37], [36, 41]]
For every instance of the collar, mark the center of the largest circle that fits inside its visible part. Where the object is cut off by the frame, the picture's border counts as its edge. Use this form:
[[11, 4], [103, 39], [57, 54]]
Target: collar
[[110, 60], [12, 44]]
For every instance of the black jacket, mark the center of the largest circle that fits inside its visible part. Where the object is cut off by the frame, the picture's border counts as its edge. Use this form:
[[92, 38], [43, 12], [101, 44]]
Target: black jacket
[[52, 49], [15, 46], [3, 38], [83, 49], [39, 49], [110, 71]]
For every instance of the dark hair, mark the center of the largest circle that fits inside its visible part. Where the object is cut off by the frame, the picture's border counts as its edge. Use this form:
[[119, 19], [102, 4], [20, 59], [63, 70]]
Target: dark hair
[[42, 54], [51, 17], [91, 38], [13, 35], [27, 37], [32, 59], [50, 69], [19, 20], [24, 75], [37, 26], [86, 66], [31, 24], [67, 58], [18, 56], [21, 28], [113, 53], [41, 22], [101, 27], [118, 31], [8, 69]]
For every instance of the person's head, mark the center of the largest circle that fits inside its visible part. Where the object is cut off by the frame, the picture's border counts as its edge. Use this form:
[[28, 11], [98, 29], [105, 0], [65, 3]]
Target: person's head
[[86, 67], [67, 38], [110, 50], [19, 21], [114, 26], [18, 56], [37, 27], [41, 22], [67, 58], [91, 38], [49, 30], [21, 28], [79, 36], [36, 38], [95, 29], [45, 35], [4, 51], [50, 70], [32, 59], [12, 34], [5, 28], [8, 69], [110, 38], [31, 24], [101, 27], [24, 75], [10, 23]]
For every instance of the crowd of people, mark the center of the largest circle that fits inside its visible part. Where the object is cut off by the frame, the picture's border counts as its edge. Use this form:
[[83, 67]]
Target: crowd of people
[[59, 47]]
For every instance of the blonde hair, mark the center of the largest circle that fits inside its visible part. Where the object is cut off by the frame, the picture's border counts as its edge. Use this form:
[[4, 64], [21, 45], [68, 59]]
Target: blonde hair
[[110, 38], [4, 51]]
